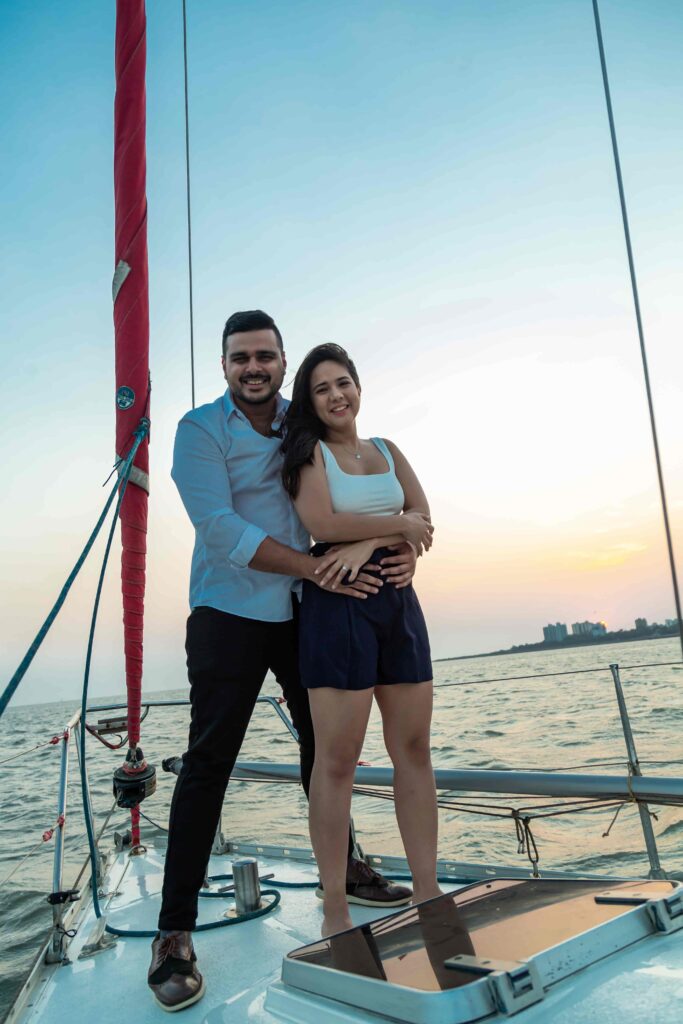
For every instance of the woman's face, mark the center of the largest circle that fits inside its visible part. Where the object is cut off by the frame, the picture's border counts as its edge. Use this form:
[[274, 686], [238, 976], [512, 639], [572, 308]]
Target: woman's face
[[334, 396]]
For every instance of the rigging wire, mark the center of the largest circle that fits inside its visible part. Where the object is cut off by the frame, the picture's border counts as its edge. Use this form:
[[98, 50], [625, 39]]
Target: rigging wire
[[465, 682], [548, 675], [38, 746], [87, 862], [641, 335], [162, 828], [34, 849], [11, 687], [85, 794], [140, 434], [187, 189]]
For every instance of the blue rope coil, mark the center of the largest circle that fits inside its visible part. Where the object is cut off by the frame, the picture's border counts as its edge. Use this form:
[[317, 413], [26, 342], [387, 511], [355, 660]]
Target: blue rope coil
[[210, 925]]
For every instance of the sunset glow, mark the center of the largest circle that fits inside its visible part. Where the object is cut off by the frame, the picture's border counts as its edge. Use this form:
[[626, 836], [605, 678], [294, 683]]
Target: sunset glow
[[429, 185]]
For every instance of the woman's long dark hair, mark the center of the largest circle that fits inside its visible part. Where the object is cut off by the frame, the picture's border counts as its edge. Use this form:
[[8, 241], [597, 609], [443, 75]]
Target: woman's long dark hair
[[302, 428]]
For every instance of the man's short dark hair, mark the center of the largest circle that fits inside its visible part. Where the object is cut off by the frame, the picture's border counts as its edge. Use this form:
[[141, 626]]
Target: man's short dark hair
[[250, 320]]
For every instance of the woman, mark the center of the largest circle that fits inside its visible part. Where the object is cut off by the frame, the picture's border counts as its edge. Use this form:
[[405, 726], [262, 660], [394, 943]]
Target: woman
[[348, 489]]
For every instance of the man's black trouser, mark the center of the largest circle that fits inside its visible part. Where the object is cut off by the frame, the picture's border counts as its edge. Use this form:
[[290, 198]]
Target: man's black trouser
[[227, 660]]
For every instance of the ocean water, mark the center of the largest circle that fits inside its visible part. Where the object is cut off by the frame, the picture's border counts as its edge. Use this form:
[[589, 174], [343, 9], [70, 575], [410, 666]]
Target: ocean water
[[481, 720]]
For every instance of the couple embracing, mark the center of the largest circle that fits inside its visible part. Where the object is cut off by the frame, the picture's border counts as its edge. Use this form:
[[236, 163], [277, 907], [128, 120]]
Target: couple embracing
[[259, 477]]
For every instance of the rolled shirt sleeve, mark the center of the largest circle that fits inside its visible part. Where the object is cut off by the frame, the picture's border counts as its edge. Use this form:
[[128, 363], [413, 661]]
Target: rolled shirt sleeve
[[199, 473]]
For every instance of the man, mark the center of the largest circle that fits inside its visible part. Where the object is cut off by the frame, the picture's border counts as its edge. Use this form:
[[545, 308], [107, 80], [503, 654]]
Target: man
[[250, 551]]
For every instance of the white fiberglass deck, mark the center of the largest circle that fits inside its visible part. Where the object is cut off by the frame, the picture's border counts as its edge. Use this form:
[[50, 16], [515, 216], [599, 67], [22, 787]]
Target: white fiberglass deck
[[242, 965]]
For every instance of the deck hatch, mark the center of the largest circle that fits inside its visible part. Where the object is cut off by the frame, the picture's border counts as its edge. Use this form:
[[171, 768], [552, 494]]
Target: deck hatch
[[494, 946]]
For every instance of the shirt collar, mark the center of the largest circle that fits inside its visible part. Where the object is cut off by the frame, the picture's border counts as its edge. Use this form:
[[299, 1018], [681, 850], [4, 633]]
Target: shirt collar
[[280, 408]]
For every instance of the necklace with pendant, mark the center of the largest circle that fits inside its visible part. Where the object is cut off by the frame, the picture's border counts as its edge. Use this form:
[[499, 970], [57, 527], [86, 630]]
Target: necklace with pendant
[[356, 454]]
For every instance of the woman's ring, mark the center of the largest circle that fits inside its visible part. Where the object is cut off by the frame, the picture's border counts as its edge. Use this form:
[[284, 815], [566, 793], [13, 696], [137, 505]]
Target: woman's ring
[[345, 568]]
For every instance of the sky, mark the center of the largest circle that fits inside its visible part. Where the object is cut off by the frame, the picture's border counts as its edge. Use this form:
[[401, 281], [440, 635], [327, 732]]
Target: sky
[[428, 184]]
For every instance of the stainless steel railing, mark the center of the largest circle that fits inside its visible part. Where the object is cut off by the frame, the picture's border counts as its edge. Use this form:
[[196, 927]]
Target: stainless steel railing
[[631, 787]]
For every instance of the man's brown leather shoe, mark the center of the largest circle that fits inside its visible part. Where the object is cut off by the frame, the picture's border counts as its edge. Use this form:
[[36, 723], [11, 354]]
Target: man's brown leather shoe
[[173, 975]]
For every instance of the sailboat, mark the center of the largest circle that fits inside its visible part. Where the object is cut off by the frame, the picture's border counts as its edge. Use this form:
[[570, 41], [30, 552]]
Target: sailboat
[[501, 941]]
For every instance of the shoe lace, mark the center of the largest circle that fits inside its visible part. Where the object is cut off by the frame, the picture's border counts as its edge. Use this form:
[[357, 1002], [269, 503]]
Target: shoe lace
[[365, 872], [169, 946]]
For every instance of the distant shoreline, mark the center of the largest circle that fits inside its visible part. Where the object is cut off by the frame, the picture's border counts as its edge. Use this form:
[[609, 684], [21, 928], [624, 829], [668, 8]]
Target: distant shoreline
[[622, 637]]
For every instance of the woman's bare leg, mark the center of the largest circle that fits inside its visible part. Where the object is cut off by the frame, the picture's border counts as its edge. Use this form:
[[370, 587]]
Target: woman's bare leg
[[340, 718], [406, 717]]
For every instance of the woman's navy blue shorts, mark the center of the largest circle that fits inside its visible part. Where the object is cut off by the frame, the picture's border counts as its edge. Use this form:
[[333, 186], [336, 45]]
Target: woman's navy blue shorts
[[352, 644]]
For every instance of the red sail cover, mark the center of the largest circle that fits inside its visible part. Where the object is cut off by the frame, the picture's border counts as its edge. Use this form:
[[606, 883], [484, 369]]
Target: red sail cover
[[131, 325]]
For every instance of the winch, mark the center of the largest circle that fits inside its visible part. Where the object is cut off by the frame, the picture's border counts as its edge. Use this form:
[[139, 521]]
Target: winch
[[134, 780]]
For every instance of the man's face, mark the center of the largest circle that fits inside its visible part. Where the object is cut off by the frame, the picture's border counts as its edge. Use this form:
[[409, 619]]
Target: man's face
[[254, 365]]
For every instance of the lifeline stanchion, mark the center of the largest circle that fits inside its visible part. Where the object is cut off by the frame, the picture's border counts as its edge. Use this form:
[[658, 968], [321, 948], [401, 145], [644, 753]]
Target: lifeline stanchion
[[58, 898], [656, 870]]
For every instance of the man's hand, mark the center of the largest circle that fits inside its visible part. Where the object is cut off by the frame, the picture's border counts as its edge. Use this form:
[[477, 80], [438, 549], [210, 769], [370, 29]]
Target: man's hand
[[399, 569], [363, 585]]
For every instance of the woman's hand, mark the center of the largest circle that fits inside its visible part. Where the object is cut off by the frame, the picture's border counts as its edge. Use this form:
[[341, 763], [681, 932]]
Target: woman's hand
[[417, 529], [345, 558]]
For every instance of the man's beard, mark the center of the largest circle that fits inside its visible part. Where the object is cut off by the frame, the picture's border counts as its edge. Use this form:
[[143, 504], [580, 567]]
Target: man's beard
[[250, 399]]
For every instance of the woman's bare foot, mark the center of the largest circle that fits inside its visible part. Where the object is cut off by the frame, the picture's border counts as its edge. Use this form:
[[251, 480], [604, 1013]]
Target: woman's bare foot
[[426, 893], [335, 920]]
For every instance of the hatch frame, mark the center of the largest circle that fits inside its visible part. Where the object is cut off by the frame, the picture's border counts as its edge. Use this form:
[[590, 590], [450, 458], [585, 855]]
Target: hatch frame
[[504, 987]]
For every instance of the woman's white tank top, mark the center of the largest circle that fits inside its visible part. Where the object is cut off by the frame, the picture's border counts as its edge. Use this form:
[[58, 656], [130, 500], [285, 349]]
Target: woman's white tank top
[[375, 494]]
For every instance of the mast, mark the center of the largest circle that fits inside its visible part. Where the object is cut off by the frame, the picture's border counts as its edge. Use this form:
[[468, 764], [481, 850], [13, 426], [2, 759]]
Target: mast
[[131, 329]]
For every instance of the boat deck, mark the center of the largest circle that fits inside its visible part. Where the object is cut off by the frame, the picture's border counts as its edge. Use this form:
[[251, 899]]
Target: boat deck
[[238, 962], [242, 964]]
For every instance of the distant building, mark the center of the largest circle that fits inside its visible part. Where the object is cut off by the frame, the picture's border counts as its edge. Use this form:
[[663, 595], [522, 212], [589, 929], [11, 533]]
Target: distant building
[[554, 634], [589, 628], [641, 625]]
